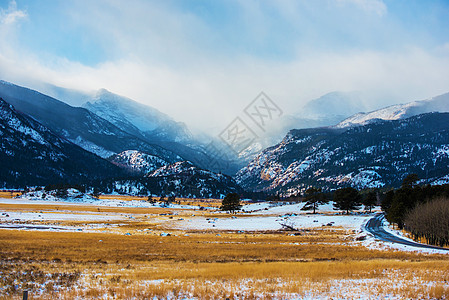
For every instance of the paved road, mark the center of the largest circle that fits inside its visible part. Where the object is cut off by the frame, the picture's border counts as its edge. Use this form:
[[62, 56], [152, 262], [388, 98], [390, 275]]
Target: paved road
[[374, 226]]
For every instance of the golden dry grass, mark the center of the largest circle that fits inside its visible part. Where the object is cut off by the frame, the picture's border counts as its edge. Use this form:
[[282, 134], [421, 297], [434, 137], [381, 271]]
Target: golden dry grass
[[8, 194], [85, 208], [249, 280], [322, 262], [196, 247]]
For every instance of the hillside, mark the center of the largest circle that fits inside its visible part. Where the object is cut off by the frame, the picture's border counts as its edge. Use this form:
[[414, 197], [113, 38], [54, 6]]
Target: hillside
[[137, 162], [400, 111], [181, 179], [136, 118], [380, 154], [78, 125], [32, 155]]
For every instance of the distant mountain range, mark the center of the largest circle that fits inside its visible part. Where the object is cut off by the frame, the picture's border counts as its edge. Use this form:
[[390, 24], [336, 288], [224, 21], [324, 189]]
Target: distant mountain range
[[399, 111], [133, 146], [152, 126], [30, 154], [326, 110], [379, 154], [78, 125], [44, 140], [138, 119]]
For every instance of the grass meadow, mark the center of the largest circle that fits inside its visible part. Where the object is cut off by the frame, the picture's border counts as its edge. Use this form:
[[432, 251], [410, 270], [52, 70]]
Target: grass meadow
[[142, 258]]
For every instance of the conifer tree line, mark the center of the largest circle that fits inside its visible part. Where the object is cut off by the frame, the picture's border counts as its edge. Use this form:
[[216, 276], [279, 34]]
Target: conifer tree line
[[421, 210], [345, 199]]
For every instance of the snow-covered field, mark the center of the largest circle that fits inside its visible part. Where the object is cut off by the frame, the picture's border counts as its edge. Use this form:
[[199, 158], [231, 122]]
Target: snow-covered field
[[260, 223], [163, 228], [263, 216]]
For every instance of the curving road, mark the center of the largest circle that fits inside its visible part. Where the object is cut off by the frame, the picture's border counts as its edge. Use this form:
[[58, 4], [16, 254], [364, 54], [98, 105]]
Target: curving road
[[374, 226]]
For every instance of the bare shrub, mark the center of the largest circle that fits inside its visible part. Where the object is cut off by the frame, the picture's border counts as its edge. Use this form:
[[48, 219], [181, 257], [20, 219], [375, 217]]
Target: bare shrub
[[430, 221]]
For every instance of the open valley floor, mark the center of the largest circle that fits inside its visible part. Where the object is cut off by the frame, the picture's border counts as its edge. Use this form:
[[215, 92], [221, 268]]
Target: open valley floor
[[126, 248]]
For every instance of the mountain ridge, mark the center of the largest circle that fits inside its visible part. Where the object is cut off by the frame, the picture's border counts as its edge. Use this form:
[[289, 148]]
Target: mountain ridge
[[379, 154], [31, 154], [438, 103], [78, 125]]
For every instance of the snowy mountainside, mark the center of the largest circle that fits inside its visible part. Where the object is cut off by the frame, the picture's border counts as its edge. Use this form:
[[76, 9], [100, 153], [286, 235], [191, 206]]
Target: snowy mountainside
[[78, 125], [138, 161], [152, 126], [326, 110], [380, 154], [136, 118], [400, 111], [32, 155], [181, 179], [174, 169]]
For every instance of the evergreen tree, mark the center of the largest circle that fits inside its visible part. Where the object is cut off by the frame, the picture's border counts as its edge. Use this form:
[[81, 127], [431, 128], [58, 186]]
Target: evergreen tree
[[171, 199], [96, 192], [388, 199], [370, 200], [410, 181], [231, 202], [347, 199], [314, 198], [62, 193]]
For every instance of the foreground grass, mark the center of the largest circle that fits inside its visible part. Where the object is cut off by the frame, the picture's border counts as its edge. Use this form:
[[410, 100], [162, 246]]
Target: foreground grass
[[70, 265], [130, 259], [402, 279]]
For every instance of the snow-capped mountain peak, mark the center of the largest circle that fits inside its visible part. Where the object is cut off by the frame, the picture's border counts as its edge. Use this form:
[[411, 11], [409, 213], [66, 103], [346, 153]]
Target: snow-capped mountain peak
[[399, 111], [137, 118]]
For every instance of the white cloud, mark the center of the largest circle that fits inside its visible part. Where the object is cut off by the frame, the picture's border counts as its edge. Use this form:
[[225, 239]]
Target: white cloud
[[11, 15], [164, 58], [373, 6], [210, 96]]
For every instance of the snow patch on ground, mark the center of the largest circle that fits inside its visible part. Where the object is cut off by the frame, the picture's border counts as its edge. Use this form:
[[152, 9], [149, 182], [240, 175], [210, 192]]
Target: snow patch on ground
[[262, 223]]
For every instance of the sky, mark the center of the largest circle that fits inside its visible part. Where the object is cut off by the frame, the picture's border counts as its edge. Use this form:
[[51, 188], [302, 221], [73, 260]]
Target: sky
[[203, 62]]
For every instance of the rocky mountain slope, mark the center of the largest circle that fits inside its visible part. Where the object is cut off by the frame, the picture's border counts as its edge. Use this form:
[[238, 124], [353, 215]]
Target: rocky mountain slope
[[138, 162], [379, 154], [30, 154], [138, 119], [152, 126], [78, 125], [181, 179]]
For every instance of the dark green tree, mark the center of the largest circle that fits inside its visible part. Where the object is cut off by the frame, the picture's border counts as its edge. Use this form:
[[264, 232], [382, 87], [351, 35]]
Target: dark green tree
[[96, 192], [171, 199], [314, 197], [231, 202], [388, 199], [410, 181], [163, 201], [370, 200], [347, 199], [62, 193]]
